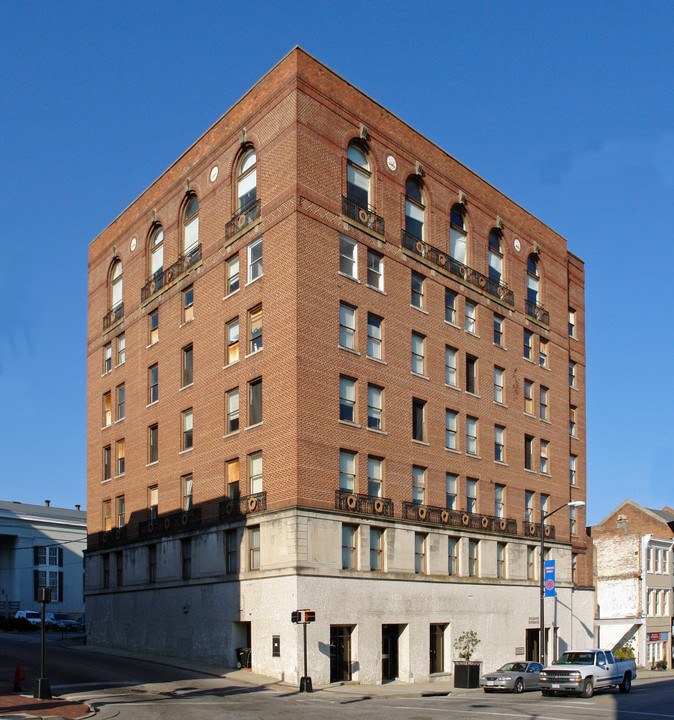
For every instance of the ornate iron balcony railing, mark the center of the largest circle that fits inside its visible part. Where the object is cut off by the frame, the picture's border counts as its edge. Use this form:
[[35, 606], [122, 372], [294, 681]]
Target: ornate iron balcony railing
[[236, 507], [364, 216], [166, 277], [115, 536], [366, 504], [534, 530], [113, 316], [537, 311], [444, 260], [170, 524], [456, 518], [243, 217]]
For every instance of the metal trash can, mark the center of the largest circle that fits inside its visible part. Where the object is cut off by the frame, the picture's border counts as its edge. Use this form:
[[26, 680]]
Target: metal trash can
[[243, 658]]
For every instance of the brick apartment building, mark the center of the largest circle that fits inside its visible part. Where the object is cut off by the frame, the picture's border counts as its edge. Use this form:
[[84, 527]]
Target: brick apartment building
[[329, 367]]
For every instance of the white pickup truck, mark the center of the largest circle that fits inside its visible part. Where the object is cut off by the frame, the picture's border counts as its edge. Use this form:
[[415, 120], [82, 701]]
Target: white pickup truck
[[581, 672]]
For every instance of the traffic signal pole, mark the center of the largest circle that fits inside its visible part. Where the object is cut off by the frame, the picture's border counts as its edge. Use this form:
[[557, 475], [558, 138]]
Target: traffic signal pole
[[304, 617]]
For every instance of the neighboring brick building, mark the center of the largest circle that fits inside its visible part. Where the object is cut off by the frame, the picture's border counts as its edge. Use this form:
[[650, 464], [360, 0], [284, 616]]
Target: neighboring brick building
[[634, 577], [329, 367]]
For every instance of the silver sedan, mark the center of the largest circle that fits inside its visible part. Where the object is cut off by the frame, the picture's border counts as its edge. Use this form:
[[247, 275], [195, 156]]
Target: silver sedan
[[513, 677]]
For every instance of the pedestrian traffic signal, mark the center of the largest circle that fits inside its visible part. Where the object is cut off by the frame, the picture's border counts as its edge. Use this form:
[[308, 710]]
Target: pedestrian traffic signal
[[309, 616], [296, 616]]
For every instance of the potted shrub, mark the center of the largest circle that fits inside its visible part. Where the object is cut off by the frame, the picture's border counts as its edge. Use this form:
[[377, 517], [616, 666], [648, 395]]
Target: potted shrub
[[466, 671]]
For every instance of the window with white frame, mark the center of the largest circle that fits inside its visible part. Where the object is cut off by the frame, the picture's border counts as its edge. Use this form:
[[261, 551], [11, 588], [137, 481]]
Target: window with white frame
[[357, 176], [347, 326], [347, 399], [543, 402], [499, 385], [254, 547], [572, 469], [418, 362], [232, 279], [545, 460], [543, 352], [232, 409], [458, 237], [499, 501], [452, 556], [414, 208], [450, 365], [471, 495], [375, 403], [418, 485], [374, 336], [471, 435], [528, 506], [418, 420], [499, 443], [495, 256], [255, 472], [451, 430], [116, 285], [420, 553], [533, 280], [528, 345], [349, 536], [376, 549], [188, 487], [450, 306], [188, 429], [572, 323], [500, 560], [156, 252], [451, 490], [528, 452], [573, 412], [255, 329], [375, 270], [347, 470], [255, 260], [529, 397], [247, 179], [191, 225], [572, 374], [417, 291], [375, 473], [573, 529], [232, 342], [471, 317], [473, 558], [255, 402], [498, 329], [348, 256]]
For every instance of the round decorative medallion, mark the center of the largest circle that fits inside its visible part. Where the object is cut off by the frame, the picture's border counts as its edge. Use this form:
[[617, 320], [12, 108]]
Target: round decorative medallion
[[517, 244], [214, 173], [133, 244], [391, 162]]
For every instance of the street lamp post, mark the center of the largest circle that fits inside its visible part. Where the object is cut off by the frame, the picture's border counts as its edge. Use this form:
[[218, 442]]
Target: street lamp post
[[541, 612]]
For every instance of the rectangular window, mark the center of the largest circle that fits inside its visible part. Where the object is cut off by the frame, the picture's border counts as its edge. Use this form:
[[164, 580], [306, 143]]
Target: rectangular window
[[255, 329], [254, 548], [572, 374], [255, 260], [347, 326], [255, 402], [572, 323], [450, 366], [545, 502], [528, 344], [543, 352], [232, 401], [347, 470], [255, 472], [232, 342], [418, 420], [232, 478], [231, 552], [545, 449], [188, 304], [186, 557], [450, 429], [347, 399], [375, 405], [375, 270], [188, 360], [419, 553], [188, 429], [528, 506], [528, 397], [543, 402], [499, 385], [349, 535], [121, 410], [374, 336], [121, 349], [499, 443], [452, 556], [499, 501], [473, 558], [376, 549], [107, 409], [418, 353], [348, 257], [417, 298], [121, 457], [107, 517], [375, 475], [572, 421], [153, 502], [152, 563], [572, 520], [471, 495], [500, 560], [154, 327], [471, 317], [107, 358], [107, 463], [450, 492], [528, 452], [531, 562], [188, 484], [232, 275], [498, 330], [450, 306], [471, 374], [153, 444], [153, 384], [471, 435], [418, 485]]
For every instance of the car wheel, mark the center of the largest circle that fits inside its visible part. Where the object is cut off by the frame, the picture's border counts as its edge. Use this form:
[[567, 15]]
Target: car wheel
[[626, 685], [519, 686], [588, 688]]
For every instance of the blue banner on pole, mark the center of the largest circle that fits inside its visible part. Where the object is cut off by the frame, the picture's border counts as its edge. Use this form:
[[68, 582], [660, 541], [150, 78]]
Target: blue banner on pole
[[549, 578]]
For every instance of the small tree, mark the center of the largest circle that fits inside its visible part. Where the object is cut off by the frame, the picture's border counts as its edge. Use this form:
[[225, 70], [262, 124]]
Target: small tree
[[465, 644], [626, 651]]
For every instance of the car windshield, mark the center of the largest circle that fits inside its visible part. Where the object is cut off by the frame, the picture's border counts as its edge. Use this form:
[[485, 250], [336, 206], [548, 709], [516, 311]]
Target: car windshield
[[576, 658], [32, 614], [514, 667]]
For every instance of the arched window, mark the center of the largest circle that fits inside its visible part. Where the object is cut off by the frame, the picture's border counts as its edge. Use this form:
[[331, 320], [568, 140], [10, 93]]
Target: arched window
[[247, 180], [458, 237], [495, 256], [116, 284], [156, 252], [191, 224], [533, 279], [414, 208], [358, 176]]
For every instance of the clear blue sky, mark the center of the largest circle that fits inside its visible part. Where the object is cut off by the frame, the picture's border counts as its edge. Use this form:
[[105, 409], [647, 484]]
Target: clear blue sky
[[567, 108]]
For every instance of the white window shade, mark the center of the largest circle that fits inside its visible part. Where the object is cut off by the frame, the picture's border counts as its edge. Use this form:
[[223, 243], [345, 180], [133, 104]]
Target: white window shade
[[191, 234], [457, 245]]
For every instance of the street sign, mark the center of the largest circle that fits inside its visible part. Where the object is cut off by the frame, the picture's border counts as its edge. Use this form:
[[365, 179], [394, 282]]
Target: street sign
[[549, 578]]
